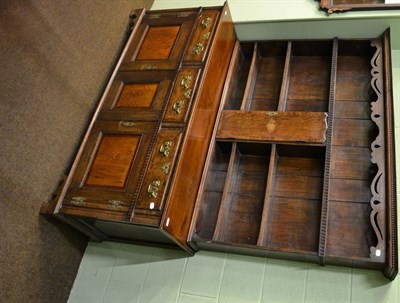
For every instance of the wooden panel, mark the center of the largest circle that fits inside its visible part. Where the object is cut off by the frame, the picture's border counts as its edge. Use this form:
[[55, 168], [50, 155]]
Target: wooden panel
[[348, 230], [353, 78], [294, 224], [348, 132], [112, 161], [352, 110], [351, 163], [176, 219], [240, 213], [346, 190], [306, 70], [158, 43], [137, 95], [293, 127], [300, 166], [182, 95], [203, 33], [305, 187]]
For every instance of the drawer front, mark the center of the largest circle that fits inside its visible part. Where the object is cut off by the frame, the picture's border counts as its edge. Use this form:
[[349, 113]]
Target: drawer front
[[109, 169], [138, 96], [159, 41], [200, 40], [182, 95], [160, 169]]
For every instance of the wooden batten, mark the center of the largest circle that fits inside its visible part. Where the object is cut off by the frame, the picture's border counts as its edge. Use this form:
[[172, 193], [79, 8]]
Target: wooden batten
[[285, 81], [251, 80], [270, 127]]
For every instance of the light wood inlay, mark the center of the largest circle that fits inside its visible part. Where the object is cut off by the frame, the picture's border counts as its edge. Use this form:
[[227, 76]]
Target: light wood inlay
[[112, 161], [137, 95]]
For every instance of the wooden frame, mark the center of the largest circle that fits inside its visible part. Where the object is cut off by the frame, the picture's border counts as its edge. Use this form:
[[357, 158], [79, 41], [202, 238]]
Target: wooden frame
[[334, 6]]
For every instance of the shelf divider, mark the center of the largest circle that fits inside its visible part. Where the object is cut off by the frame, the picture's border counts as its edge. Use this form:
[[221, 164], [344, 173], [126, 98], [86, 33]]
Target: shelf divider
[[328, 151], [251, 79], [285, 78]]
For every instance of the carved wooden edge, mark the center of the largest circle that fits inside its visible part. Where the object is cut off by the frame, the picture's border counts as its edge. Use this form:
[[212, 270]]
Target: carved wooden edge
[[325, 193], [391, 269], [378, 153], [330, 7]]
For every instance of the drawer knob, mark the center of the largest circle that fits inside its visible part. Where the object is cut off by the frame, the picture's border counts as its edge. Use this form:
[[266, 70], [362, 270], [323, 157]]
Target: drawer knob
[[114, 204], [178, 105], [206, 22], [165, 167], [78, 200], [198, 48], [153, 188], [166, 148], [186, 81]]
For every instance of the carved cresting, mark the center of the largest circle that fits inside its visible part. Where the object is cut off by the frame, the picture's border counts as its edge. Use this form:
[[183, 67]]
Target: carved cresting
[[378, 156]]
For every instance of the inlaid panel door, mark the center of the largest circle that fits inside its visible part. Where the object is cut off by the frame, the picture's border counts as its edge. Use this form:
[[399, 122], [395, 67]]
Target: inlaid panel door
[[160, 40], [109, 171]]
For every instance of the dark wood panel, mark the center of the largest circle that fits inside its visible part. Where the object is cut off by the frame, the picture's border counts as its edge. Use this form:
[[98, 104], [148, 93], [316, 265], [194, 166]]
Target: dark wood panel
[[348, 229], [291, 127], [302, 187], [352, 110], [294, 224], [347, 190], [312, 167], [351, 163], [137, 95], [309, 78], [349, 132]]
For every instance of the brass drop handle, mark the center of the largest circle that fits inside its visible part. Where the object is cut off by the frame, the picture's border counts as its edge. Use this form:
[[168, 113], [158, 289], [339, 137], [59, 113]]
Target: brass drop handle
[[78, 200], [178, 105], [153, 188], [185, 83], [114, 204], [198, 48], [165, 148], [206, 22]]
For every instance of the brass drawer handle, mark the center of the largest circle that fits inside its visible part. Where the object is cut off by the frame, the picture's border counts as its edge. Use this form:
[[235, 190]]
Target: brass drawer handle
[[207, 36], [178, 105], [114, 204], [149, 67], [198, 48], [78, 200], [165, 167], [154, 16], [187, 94], [153, 188], [271, 113], [185, 83], [165, 148], [206, 22]]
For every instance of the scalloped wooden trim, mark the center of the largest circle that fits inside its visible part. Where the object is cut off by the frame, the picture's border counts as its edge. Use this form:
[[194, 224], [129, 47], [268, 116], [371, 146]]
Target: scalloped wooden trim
[[378, 152]]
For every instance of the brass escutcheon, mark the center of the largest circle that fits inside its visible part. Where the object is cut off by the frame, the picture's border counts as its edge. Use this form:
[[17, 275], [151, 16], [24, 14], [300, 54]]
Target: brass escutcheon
[[166, 148], [78, 200], [149, 67], [153, 188], [165, 167], [154, 16], [114, 204], [186, 81], [178, 105], [207, 35], [198, 48], [271, 113], [206, 22], [128, 123]]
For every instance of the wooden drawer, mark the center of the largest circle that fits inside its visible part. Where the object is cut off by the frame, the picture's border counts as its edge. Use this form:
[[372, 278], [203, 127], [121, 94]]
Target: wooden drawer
[[138, 96], [203, 33], [182, 95], [159, 40], [160, 170], [109, 169]]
